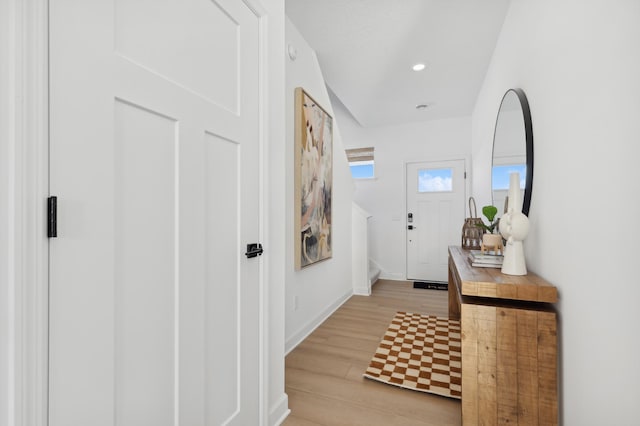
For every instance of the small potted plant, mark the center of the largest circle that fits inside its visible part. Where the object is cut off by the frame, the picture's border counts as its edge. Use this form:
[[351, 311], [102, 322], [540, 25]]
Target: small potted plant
[[490, 240]]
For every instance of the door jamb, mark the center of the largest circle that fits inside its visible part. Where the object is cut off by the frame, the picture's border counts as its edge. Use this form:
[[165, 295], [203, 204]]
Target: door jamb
[[25, 190]]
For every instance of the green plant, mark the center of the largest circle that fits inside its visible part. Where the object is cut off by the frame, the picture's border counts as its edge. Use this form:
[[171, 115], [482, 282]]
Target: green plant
[[490, 213]]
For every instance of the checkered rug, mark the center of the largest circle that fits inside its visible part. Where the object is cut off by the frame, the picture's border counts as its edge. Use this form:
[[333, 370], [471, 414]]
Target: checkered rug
[[420, 352]]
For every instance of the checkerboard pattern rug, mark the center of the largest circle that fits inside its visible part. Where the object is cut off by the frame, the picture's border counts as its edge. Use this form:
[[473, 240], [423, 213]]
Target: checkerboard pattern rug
[[420, 352]]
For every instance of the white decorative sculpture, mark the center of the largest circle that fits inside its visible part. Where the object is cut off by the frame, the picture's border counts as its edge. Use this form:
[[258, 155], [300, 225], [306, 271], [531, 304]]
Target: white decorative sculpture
[[514, 227]]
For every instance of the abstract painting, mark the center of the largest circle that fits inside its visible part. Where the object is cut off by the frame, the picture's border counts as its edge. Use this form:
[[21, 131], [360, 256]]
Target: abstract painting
[[313, 180]]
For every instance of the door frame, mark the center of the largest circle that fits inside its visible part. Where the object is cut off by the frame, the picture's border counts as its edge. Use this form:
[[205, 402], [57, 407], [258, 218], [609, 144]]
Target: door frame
[[24, 186], [467, 182], [25, 189]]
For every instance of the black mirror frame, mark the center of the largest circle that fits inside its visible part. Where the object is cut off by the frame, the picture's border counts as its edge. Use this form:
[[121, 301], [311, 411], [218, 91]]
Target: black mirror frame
[[528, 130]]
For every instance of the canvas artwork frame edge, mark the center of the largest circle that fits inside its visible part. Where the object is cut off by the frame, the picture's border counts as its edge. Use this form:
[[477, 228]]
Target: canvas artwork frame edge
[[299, 135]]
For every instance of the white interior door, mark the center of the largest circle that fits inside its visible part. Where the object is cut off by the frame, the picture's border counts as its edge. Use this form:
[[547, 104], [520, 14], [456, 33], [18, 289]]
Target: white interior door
[[155, 161], [435, 215]]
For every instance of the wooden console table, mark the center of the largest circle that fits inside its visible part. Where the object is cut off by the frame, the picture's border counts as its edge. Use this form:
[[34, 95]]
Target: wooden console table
[[509, 344]]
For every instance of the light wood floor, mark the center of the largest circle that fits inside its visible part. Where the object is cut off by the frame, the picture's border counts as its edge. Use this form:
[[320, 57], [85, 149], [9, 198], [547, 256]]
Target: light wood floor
[[323, 375]]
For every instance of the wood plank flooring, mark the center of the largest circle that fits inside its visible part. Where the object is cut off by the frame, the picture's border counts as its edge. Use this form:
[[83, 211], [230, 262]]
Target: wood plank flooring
[[323, 375]]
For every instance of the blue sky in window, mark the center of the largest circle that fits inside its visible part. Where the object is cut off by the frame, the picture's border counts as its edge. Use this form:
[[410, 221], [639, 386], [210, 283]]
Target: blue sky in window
[[361, 171], [435, 180], [500, 175]]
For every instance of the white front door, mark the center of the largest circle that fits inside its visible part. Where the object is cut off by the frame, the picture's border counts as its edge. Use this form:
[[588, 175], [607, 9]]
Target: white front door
[[435, 215], [155, 160]]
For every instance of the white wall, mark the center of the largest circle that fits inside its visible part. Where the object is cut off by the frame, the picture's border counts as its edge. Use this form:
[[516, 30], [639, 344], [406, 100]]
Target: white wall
[[320, 288], [360, 251], [579, 65], [384, 196]]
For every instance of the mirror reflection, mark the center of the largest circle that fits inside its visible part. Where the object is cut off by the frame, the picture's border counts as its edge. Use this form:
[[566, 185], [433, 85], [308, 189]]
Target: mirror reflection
[[510, 149]]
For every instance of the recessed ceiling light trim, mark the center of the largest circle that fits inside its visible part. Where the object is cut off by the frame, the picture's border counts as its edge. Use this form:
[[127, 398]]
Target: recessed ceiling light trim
[[419, 67]]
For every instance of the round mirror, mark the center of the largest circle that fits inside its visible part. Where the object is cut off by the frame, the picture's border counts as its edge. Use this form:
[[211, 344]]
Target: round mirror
[[512, 149]]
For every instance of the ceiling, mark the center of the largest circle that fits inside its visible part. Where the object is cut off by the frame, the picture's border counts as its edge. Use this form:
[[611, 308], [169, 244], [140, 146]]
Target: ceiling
[[366, 49]]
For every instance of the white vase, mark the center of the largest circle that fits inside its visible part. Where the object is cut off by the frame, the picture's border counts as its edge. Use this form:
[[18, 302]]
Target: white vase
[[514, 227]]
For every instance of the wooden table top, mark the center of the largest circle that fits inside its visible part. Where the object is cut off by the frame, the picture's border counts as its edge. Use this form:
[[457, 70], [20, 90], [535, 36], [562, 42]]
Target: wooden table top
[[491, 283]]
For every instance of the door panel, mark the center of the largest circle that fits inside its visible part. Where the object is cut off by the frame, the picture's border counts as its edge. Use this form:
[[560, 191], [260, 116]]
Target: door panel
[[211, 29], [145, 263], [154, 316], [435, 200], [432, 218], [222, 164]]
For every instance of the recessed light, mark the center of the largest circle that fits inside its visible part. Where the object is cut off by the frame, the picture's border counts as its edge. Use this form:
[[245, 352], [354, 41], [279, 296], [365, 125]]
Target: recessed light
[[422, 106], [419, 67]]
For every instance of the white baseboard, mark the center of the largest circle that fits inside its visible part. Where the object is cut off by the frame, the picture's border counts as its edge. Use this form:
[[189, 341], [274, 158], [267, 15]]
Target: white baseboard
[[279, 411], [396, 276], [361, 291], [308, 328]]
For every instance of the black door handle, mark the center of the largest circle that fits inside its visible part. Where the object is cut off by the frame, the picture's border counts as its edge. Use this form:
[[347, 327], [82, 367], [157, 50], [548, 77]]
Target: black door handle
[[254, 250]]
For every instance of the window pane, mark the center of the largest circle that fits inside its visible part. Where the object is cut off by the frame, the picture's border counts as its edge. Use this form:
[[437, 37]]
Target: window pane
[[362, 170], [500, 175], [435, 180]]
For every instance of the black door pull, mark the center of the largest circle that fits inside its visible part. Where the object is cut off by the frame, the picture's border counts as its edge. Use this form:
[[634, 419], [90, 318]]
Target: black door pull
[[52, 217], [254, 250]]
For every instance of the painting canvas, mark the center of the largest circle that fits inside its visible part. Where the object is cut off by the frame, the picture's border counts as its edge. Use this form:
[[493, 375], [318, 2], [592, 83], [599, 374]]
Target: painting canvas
[[313, 180]]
